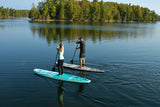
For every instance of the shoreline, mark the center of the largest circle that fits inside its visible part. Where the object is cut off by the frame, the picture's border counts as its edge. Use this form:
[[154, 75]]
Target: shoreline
[[105, 21], [65, 20]]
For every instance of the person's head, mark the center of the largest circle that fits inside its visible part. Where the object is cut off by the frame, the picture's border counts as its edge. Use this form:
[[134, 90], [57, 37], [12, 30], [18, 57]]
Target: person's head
[[81, 38], [61, 48], [60, 45]]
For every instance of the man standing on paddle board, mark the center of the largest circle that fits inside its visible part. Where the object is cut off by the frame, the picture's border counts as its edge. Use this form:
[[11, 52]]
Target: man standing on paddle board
[[60, 49], [82, 51]]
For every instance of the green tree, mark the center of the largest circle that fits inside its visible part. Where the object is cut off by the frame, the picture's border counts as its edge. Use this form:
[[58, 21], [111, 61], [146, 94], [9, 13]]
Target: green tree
[[1, 11], [116, 13], [154, 16], [70, 12], [138, 13], [145, 12], [77, 9], [61, 10], [51, 9], [129, 13], [123, 11], [45, 14], [95, 10], [34, 13], [102, 12], [109, 8], [6, 12], [85, 10], [133, 15]]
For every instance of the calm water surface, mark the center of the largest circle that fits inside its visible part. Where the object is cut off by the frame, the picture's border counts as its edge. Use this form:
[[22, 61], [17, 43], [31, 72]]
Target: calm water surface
[[129, 54]]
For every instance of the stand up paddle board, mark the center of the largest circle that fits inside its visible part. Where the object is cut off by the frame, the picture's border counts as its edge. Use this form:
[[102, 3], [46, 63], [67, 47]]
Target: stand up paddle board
[[76, 67], [64, 77]]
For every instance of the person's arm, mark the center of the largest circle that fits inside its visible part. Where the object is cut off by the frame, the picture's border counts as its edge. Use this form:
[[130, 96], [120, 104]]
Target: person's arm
[[77, 42], [57, 47], [78, 48]]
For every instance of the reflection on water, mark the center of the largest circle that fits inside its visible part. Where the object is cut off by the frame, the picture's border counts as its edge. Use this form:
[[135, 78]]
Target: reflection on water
[[82, 73], [1, 26], [81, 88], [60, 93], [60, 31]]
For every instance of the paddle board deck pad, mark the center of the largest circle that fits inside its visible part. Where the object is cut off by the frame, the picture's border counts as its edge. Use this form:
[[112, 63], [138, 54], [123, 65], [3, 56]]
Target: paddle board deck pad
[[76, 67], [64, 77]]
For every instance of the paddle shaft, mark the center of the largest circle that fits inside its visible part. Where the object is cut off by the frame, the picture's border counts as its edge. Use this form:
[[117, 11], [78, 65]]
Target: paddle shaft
[[53, 69], [74, 53]]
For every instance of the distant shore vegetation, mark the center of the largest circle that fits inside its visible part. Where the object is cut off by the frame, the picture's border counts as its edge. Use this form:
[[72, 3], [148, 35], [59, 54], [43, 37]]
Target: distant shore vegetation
[[73, 10], [12, 13]]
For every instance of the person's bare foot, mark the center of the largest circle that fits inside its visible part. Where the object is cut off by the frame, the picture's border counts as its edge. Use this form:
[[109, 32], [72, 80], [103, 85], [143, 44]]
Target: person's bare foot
[[79, 67], [59, 75]]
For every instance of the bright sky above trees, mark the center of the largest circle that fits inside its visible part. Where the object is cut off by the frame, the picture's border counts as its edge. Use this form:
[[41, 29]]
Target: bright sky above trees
[[27, 4]]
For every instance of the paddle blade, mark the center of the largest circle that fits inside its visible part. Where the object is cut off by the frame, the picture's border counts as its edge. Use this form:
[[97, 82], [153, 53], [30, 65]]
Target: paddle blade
[[53, 69], [72, 61]]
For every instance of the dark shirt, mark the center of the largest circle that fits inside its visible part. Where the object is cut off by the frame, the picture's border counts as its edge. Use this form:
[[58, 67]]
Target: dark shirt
[[82, 47]]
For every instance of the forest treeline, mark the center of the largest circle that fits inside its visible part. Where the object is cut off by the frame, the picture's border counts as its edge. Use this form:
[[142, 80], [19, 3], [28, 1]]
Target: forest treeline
[[12, 13], [91, 11]]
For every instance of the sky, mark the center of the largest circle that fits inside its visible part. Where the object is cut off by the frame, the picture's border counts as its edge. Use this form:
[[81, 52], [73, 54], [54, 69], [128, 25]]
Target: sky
[[27, 4]]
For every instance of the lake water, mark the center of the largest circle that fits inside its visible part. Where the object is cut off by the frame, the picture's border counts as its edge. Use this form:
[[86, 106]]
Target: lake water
[[128, 53]]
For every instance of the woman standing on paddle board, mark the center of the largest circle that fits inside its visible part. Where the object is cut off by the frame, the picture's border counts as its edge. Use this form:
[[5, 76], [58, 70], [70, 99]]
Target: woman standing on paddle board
[[60, 49], [82, 51]]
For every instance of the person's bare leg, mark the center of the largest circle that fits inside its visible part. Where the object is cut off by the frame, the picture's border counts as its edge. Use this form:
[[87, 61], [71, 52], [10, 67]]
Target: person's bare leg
[[80, 63], [83, 62]]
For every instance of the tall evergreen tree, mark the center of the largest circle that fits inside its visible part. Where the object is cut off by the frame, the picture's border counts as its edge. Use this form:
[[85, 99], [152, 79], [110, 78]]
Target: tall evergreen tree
[[85, 10], [61, 10], [116, 13], [77, 9], [145, 14], [95, 10], [138, 14], [34, 13], [70, 12], [102, 12], [45, 14], [109, 8], [51, 9]]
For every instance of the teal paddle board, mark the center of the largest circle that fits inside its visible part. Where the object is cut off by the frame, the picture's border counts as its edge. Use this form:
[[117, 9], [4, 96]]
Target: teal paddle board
[[64, 77]]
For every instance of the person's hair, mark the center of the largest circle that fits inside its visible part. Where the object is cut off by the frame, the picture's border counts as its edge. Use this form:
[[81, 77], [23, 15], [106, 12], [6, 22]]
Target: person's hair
[[61, 48], [81, 38]]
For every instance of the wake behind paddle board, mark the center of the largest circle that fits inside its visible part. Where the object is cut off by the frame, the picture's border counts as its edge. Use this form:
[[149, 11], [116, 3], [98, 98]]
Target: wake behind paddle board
[[64, 77], [76, 67]]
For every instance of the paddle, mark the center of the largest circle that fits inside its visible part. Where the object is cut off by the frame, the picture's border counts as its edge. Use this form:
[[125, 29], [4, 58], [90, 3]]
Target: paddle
[[74, 53], [53, 69]]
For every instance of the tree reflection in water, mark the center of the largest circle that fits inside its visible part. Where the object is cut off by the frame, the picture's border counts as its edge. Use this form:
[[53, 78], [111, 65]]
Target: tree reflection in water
[[65, 31]]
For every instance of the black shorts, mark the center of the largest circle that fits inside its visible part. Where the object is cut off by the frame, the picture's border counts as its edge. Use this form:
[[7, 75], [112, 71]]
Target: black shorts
[[82, 55]]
